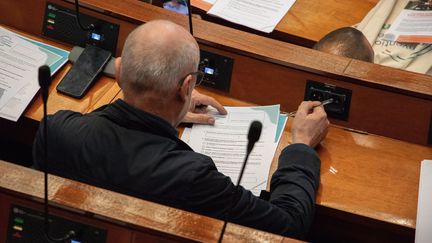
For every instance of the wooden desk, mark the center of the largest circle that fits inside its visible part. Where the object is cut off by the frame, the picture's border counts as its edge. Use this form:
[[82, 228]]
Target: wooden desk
[[102, 92], [267, 71], [366, 179], [367, 182], [126, 219], [308, 20]]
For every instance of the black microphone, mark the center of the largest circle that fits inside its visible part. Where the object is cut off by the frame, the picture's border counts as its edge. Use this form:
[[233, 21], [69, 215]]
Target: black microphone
[[44, 83], [253, 136]]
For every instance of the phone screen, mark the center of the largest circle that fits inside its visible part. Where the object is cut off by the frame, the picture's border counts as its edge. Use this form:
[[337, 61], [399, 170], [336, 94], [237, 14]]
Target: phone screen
[[84, 71]]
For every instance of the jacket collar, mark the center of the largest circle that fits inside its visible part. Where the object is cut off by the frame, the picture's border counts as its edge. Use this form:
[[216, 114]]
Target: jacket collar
[[130, 117]]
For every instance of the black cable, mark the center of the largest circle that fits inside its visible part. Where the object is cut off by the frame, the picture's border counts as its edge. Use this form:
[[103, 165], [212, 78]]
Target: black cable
[[190, 17], [77, 16]]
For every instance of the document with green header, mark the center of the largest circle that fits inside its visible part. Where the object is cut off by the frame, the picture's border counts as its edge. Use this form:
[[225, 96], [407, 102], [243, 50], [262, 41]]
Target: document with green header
[[225, 142], [20, 59]]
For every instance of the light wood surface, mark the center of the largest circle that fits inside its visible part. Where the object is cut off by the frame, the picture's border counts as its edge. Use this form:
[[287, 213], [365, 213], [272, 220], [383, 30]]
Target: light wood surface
[[146, 220], [268, 71], [58, 101], [102, 92], [362, 175], [310, 20], [366, 175]]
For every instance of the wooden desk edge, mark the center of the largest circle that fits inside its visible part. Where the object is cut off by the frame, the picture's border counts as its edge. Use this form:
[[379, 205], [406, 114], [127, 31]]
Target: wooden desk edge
[[134, 212], [282, 53]]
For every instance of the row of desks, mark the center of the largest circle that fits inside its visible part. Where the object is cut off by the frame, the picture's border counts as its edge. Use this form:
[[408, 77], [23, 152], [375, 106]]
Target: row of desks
[[125, 219], [366, 180], [308, 20], [364, 176]]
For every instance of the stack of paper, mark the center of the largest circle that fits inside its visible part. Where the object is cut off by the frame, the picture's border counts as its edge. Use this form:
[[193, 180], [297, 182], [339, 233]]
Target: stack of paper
[[262, 15], [424, 211], [20, 59], [226, 141]]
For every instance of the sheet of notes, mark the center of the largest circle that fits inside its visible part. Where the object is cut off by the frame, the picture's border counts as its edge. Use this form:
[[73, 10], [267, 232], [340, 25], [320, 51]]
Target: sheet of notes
[[226, 141], [20, 59], [262, 15]]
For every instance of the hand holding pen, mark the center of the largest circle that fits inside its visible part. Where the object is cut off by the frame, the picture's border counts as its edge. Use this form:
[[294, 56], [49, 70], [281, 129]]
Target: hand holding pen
[[323, 103], [310, 123]]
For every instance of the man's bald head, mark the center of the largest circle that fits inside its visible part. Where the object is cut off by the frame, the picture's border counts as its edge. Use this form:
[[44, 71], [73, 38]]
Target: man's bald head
[[156, 55], [347, 42]]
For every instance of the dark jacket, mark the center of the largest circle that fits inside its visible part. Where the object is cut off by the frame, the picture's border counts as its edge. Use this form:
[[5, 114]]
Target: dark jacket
[[124, 149]]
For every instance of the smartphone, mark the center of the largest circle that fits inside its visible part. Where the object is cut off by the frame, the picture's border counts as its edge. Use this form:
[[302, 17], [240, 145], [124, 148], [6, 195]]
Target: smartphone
[[84, 72]]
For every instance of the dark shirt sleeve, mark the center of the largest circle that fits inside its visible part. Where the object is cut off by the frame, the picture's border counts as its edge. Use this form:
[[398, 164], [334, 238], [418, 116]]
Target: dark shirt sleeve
[[38, 149], [290, 210], [55, 124]]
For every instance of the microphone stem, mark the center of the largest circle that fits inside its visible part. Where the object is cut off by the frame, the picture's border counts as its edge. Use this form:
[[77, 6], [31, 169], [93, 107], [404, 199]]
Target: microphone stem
[[45, 158], [248, 152], [222, 232], [242, 169], [190, 17]]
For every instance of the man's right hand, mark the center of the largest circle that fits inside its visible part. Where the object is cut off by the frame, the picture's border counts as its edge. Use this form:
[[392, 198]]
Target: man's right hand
[[310, 124]]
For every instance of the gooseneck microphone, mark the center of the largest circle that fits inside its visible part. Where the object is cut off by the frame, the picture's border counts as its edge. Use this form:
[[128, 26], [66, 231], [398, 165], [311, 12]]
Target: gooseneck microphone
[[44, 83], [253, 136], [77, 16], [190, 16]]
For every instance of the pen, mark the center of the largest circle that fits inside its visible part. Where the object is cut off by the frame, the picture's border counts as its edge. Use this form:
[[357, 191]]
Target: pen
[[323, 103]]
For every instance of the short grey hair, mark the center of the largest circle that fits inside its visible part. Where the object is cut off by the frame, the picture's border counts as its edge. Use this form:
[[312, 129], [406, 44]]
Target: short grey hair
[[150, 63], [347, 42]]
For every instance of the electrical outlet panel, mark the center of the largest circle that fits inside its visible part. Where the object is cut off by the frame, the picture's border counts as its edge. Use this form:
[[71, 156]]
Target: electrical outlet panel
[[60, 23], [217, 70], [339, 108]]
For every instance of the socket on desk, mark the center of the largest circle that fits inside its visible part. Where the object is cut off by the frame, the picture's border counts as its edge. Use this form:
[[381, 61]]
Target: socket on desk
[[339, 109]]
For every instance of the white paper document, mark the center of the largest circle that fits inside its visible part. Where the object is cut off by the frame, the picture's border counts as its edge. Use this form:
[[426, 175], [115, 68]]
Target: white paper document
[[424, 209], [210, 1], [414, 24], [20, 59], [262, 15], [226, 141]]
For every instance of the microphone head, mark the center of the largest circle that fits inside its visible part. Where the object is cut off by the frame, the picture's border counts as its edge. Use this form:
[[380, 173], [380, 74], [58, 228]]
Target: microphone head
[[254, 131], [44, 76]]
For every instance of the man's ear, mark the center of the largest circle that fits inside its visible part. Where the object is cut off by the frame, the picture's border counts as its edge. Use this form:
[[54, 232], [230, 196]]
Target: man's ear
[[185, 89], [117, 66]]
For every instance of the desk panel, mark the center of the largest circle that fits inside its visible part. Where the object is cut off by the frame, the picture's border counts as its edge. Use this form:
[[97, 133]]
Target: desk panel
[[267, 71], [115, 233]]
